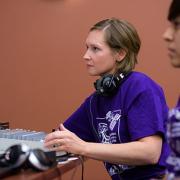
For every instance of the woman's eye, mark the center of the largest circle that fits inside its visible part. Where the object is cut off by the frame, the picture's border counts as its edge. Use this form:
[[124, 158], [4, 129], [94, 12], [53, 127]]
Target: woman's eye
[[95, 48], [176, 25]]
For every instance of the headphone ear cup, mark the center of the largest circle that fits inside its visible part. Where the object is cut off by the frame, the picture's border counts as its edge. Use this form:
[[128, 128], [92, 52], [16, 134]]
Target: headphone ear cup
[[109, 83], [105, 85], [3, 161], [40, 160], [98, 84], [17, 155]]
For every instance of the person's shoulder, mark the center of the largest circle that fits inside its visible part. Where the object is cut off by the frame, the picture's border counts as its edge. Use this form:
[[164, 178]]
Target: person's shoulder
[[140, 77], [139, 81], [90, 97]]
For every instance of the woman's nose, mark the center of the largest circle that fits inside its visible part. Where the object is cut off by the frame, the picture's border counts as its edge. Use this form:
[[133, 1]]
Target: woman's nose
[[168, 34], [86, 56]]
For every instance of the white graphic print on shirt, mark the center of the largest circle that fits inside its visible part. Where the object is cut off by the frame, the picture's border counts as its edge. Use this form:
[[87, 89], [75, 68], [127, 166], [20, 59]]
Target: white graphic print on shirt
[[102, 130], [108, 131], [106, 126], [113, 118]]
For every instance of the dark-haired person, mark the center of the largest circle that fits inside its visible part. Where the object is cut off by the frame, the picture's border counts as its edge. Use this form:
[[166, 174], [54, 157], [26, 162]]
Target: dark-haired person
[[172, 37], [123, 122]]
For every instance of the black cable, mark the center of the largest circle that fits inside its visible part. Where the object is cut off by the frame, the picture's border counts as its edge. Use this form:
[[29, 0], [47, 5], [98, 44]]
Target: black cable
[[73, 174], [82, 167]]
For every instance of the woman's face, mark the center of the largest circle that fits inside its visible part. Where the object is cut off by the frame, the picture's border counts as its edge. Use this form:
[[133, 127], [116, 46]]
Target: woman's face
[[172, 37], [99, 58]]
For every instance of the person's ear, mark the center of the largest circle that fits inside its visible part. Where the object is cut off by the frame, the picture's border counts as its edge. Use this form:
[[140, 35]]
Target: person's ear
[[120, 55]]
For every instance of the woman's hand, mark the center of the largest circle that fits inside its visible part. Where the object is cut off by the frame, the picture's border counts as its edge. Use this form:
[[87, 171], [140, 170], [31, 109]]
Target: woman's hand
[[141, 152], [65, 140]]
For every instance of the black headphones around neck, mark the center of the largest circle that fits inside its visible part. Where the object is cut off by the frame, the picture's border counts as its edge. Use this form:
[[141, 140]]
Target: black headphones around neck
[[109, 83]]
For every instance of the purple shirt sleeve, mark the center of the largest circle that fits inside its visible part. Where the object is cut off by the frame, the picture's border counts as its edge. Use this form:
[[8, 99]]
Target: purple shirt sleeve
[[147, 112], [79, 123]]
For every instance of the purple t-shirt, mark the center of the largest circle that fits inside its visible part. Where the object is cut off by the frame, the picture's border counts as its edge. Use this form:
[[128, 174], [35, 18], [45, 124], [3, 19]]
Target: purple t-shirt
[[173, 161], [138, 109]]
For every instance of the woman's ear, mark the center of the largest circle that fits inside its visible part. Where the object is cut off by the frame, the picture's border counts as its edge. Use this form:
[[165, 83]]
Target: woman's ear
[[120, 55]]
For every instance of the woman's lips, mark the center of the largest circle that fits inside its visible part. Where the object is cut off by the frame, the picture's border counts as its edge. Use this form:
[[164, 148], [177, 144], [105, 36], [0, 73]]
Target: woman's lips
[[89, 65], [171, 52]]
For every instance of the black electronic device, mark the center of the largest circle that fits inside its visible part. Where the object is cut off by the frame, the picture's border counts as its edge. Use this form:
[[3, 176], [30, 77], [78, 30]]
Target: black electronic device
[[4, 125], [109, 83], [21, 156]]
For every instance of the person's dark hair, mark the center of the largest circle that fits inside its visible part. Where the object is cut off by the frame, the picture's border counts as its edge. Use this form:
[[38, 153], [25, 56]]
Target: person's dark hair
[[121, 35], [174, 10]]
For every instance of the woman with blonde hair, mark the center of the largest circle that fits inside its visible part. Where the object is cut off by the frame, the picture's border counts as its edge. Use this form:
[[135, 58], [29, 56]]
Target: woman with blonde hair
[[123, 122]]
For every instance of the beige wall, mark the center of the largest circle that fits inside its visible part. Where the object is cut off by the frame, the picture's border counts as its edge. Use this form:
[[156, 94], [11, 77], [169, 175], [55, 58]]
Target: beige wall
[[42, 74]]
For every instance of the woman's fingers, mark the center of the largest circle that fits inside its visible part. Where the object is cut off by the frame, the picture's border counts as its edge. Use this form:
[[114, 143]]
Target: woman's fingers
[[62, 128], [63, 140], [51, 136], [56, 139], [53, 144], [57, 135]]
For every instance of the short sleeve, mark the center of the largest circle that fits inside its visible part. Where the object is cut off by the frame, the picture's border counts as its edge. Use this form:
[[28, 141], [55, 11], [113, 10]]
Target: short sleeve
[[147, 115], [78, 123]]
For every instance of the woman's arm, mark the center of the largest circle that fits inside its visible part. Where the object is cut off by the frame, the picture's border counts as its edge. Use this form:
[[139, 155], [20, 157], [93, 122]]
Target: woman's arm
[[144, 151]]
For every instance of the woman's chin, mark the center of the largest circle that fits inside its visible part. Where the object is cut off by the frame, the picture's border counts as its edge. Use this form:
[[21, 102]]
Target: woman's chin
[[92, 73], [175, 62]]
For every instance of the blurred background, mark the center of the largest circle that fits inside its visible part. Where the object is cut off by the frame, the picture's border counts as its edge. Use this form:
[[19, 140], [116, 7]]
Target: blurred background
[[43, 77]]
